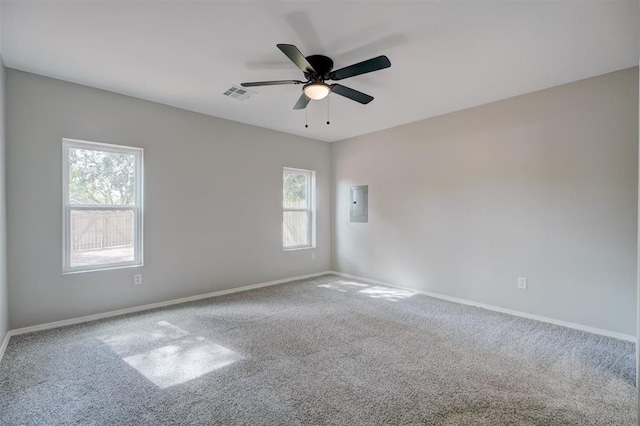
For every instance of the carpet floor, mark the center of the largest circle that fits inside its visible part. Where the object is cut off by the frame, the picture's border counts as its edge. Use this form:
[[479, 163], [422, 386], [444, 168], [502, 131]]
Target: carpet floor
[[327, 350]]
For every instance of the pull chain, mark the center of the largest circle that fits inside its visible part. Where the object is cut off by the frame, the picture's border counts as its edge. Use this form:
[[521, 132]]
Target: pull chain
[[306, 117], [327, 110]]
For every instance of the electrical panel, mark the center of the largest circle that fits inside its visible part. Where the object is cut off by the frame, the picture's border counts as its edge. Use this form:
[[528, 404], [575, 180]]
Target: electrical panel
[[359, 202]]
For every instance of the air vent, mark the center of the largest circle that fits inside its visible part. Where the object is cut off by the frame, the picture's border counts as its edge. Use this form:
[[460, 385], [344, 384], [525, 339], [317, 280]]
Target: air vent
[[239, 93]]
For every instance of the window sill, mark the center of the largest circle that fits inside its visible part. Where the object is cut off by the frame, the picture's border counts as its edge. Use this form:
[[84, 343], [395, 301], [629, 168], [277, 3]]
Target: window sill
[[299, 248], [101, 269]]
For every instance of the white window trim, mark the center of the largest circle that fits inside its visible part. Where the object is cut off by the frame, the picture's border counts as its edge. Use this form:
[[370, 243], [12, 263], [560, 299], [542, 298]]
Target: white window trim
[[310, 211], [67, 208]]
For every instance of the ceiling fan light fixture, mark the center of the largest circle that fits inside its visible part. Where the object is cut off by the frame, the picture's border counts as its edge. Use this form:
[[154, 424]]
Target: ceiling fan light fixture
[[316, 90]]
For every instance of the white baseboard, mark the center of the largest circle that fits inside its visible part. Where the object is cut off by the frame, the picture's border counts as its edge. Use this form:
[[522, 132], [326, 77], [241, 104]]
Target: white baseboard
[[5, 343], [88, 318], [72, 321], [581, 327]]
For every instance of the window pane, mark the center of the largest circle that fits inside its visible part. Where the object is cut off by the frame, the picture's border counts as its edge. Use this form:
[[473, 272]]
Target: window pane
[[99, 177], [295, 190], [295, 228], [101, 237]]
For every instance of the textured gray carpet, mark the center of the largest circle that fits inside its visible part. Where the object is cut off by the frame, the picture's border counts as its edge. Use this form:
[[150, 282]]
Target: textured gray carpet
[[322, 351]]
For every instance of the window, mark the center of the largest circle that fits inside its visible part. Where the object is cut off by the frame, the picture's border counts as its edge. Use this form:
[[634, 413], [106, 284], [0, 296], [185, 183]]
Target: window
[[102, 202], [298, 208]]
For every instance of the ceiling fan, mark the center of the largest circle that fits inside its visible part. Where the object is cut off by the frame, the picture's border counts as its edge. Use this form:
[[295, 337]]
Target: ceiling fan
[[317, 69]]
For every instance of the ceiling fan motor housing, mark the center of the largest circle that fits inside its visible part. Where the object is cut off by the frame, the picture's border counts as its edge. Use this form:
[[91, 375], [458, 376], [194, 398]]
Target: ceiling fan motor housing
[[323, 66]]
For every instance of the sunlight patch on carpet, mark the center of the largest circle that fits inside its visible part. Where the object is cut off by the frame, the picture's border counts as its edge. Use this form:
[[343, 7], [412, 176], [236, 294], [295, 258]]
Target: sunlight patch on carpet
[[392, 294], [167, 355], [375, 292]]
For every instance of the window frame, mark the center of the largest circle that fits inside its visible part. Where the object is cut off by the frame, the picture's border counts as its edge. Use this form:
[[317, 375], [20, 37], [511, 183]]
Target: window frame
[[67, 208], [311, 209]]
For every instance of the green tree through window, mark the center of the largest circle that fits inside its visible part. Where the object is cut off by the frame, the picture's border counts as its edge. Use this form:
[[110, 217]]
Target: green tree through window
[[99, 177], [295, 190]]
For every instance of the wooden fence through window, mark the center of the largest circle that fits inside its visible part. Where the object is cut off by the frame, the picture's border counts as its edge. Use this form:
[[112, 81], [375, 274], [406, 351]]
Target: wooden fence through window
[[101, 229]]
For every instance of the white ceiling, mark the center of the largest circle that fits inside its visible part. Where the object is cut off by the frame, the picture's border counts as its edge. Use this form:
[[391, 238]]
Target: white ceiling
[[445, 55]]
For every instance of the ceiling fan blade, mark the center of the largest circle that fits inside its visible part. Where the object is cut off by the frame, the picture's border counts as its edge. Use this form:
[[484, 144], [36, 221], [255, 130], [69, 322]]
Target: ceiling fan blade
[[270, 83], [302, 102], [296, 57], [350, 93], [363, 67]]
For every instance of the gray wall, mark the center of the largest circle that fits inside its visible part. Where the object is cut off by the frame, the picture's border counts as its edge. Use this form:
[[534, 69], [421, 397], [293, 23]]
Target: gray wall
[[4, 305], [542, 186], [212, 200]]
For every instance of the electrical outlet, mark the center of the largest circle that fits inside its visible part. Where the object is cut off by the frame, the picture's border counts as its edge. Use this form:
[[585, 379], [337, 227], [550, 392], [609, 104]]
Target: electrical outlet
[[313, 255], [137, 279], [522, 283]]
